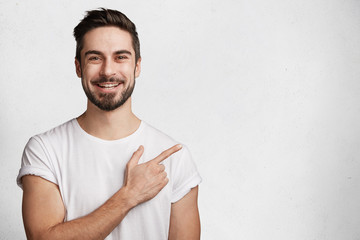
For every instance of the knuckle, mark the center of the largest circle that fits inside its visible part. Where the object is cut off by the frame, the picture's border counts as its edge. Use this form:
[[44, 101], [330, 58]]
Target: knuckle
[[154, 169]]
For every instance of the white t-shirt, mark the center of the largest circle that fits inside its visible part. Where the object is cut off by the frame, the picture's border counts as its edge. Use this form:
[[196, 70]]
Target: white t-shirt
[[89, 170]]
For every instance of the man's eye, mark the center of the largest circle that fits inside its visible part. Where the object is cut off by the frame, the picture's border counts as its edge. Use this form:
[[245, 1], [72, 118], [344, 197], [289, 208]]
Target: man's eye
[[94, 58], [121, 57]]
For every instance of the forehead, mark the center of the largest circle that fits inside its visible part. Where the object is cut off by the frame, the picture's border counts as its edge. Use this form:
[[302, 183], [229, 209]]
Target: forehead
[[107, 39]]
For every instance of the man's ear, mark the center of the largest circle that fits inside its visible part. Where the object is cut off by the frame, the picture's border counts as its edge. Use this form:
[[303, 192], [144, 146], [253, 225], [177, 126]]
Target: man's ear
[[138, 68], [78, 68]]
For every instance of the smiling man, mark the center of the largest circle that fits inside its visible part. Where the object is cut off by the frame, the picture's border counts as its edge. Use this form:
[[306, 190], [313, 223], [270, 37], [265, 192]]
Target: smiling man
[[108, 174]]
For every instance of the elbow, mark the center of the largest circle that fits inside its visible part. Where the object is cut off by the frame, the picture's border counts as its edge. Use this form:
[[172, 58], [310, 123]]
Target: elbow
[[38, 235]]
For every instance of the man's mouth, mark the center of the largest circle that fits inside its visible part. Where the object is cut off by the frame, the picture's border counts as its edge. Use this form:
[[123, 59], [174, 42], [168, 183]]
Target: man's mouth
[[108, 85]]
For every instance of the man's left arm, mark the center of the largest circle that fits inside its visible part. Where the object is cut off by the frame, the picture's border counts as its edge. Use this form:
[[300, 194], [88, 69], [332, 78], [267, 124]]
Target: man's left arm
[[184, 219]]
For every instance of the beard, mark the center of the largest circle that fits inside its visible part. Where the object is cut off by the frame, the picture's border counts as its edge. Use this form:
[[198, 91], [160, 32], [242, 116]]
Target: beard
[[107, 101]]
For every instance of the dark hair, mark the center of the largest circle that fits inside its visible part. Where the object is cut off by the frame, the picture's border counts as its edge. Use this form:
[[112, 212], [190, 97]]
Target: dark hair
[[101, 18]]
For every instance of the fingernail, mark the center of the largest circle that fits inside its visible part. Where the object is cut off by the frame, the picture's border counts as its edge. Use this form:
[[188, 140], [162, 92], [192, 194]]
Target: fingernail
[[179, 146]]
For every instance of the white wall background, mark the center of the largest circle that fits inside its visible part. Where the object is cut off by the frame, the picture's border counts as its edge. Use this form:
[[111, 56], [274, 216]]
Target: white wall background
[[264, 92]]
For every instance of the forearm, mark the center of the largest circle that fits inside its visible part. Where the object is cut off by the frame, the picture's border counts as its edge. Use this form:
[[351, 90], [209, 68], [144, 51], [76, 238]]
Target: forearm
[[96, 225]]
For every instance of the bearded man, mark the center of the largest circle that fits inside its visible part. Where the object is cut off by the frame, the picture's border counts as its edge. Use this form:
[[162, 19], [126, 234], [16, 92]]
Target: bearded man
[[108, 174]]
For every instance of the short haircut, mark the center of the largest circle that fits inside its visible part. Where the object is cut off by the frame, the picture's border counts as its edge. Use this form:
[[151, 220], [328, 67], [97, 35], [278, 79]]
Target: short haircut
[[102, 18]]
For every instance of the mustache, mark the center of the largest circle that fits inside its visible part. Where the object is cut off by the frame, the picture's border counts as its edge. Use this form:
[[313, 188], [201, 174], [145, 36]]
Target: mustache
[[107, 80]]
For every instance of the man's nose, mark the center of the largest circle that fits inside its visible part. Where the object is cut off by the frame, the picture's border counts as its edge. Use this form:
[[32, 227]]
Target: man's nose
[[108, 68]]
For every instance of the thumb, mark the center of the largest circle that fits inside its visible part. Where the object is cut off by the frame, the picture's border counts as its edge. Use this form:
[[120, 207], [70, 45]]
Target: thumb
[[134, 160]]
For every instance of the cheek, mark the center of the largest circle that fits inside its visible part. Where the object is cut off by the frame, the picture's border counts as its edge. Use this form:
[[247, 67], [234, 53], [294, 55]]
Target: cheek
[[90, 71], [128, 69]]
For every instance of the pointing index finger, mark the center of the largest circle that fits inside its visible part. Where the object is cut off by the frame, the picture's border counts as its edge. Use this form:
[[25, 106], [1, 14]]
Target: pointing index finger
[[167, 153]]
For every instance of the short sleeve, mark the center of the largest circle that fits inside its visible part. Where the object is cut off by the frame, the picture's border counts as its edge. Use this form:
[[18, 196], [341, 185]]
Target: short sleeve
[[35, 161], [185, 175]]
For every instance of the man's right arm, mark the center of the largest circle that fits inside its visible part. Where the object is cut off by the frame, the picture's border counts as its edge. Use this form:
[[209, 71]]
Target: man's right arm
[[44, 212]]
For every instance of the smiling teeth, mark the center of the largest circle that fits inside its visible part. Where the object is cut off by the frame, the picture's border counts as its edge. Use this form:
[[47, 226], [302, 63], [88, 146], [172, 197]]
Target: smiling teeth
[[108, 85]]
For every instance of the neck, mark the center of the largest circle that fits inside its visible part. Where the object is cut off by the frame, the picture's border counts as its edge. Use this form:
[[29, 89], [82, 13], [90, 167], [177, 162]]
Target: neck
[[111, 125]]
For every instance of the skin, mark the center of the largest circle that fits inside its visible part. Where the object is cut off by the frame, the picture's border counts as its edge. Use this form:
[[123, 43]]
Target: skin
[[43, 209]]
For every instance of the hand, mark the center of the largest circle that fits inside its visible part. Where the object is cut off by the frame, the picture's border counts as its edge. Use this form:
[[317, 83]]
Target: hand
[[144, 181]]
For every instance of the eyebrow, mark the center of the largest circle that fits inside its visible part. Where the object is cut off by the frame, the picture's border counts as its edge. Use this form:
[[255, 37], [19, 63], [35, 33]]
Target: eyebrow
[[93, 52], [100, 53], [123, 52]]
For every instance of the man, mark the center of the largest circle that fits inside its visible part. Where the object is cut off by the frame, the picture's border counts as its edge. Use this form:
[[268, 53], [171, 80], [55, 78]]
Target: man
[[107, 174]]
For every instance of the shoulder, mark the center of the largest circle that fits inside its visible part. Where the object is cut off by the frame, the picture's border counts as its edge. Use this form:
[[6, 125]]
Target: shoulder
[[56, 134]]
